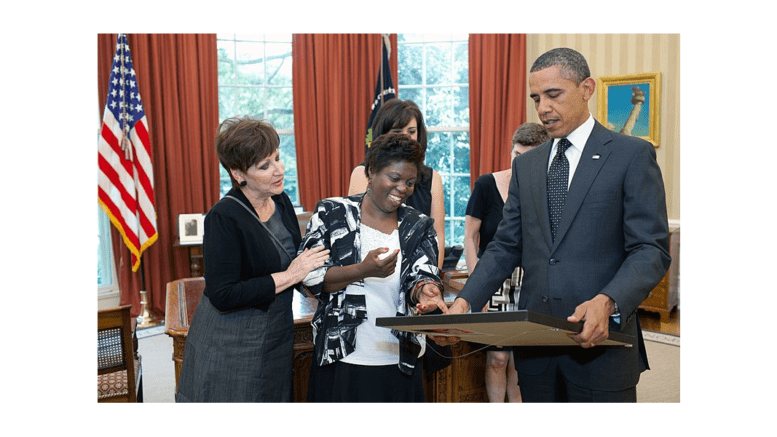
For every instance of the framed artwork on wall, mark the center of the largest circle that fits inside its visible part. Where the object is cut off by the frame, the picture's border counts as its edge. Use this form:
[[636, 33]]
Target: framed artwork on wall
[[191, 228], [631, 104]]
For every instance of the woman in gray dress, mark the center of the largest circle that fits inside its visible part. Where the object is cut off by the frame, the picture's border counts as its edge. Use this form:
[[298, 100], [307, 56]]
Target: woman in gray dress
[[240, 343]]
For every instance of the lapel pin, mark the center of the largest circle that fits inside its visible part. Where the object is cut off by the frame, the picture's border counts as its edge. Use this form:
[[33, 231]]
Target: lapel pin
[[597, 156]]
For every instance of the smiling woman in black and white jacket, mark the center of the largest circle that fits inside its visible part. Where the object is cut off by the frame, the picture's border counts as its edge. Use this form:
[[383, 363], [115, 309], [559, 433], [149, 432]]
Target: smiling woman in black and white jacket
[[382, 263]]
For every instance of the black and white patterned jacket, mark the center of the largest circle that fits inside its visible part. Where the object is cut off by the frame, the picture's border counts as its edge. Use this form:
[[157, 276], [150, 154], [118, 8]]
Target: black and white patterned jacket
[[335, 225]]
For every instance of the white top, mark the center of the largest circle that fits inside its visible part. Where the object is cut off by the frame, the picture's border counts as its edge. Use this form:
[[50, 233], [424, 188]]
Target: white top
[[376, 346]]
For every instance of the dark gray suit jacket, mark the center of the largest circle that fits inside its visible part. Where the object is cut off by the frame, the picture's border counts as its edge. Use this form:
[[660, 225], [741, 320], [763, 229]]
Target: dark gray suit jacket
[[613, 238]]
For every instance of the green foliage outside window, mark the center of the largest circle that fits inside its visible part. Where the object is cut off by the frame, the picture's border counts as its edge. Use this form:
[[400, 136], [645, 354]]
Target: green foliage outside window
[[434, 73], [255, 79]]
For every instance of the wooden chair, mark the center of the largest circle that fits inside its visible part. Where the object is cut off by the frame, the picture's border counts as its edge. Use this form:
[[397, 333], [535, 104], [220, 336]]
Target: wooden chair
[[119, 372], [183, 296]]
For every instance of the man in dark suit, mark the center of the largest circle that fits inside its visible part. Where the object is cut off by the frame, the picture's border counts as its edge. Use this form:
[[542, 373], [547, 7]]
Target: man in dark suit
[[598, 261]]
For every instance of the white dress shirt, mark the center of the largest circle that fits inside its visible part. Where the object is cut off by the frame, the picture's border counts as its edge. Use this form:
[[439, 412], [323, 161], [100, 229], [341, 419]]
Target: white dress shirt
[[578, 138]]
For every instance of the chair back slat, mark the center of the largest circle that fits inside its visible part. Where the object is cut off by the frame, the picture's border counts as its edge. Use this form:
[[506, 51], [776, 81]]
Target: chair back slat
[[110, 352], [115, 349]]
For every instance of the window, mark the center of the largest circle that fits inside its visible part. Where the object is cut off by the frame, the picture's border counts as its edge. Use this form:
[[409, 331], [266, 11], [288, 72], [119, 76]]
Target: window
[[434, 73], [105, 272], [255, 79]]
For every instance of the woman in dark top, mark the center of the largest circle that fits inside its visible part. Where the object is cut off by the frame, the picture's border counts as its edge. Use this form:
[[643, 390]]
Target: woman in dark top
[[240, 342], [404, 116], [484, 212]]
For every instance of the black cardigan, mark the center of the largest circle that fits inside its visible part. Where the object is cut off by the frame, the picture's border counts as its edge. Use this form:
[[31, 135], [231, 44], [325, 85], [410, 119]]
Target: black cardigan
[[239, 255]]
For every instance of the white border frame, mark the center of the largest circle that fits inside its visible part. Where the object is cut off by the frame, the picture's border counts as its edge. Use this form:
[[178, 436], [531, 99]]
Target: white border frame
[[183, 238]]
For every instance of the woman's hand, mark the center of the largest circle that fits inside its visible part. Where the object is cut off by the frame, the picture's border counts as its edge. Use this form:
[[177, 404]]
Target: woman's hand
[[430, 298], [378, 265], [309, 259]]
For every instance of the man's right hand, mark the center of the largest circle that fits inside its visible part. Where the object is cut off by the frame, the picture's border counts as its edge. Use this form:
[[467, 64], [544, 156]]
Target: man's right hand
[[459, 306]]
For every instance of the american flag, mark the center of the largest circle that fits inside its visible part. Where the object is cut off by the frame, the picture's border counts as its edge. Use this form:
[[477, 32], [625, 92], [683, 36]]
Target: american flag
[[384, 87], [125, 186]]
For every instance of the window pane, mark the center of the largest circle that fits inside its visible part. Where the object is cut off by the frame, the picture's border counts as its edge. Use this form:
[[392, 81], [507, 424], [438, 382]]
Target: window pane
[[438, 151], [434, 73], [410, 64], [438, 64], [255, 79], [439, 107], [279, 108], [461, 63], [226, 62], [454, 231], [416, 95], [461, 152], [226, 103], [278, 64], [224, 183], [459, 194], [250, 63], [288, 153], [460, 116], [250, 101], [104, 256]]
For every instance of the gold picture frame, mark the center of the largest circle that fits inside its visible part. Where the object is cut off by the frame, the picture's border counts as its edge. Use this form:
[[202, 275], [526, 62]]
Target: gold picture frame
[[631, 104]]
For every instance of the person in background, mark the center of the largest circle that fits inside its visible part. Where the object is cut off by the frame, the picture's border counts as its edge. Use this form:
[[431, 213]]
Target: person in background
[[240, 343], [484, 212], [586, 219], [382, 263], [403, 116]]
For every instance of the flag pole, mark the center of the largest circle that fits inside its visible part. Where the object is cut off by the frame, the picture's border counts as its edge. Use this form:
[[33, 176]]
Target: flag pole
[[144, 319], [382, 36]]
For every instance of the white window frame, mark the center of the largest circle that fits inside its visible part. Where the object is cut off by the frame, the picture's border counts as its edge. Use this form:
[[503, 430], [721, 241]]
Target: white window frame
[[253, 38], [444, 173]]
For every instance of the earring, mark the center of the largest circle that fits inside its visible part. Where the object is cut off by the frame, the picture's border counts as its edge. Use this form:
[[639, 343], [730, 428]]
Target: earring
[[368, 191], [243, 184]]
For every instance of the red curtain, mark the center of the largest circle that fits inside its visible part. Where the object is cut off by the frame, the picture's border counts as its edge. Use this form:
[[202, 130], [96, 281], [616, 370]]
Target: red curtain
[[178, 80], [497, 99], [334, 82]]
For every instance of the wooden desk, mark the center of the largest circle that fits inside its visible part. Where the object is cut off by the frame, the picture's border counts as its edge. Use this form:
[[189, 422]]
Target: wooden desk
[[462, 381], [465, 379], [664, 298]]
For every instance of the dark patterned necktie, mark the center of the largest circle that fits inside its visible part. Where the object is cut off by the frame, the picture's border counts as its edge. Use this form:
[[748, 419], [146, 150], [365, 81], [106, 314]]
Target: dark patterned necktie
[[558, 180]]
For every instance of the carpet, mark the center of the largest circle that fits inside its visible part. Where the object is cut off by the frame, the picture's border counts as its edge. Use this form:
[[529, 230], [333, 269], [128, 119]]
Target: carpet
[[660, 384]]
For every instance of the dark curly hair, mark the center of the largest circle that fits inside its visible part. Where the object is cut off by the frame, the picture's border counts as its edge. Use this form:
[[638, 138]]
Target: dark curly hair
[[391, 148]]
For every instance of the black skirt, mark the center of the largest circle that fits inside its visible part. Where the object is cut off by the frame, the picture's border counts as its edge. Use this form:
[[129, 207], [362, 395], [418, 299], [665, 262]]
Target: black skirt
[[344, 382]]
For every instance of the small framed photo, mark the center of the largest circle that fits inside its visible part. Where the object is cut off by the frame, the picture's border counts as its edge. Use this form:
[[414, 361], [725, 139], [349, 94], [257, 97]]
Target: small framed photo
[[191, 228], [631, 104]]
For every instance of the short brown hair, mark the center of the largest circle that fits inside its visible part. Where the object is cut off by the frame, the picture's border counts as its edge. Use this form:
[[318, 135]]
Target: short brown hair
[[530, 135], [243, 141]]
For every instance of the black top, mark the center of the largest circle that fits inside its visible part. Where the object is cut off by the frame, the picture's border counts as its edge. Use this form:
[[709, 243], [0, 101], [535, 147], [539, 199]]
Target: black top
[[239, 254], [486, 204]]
